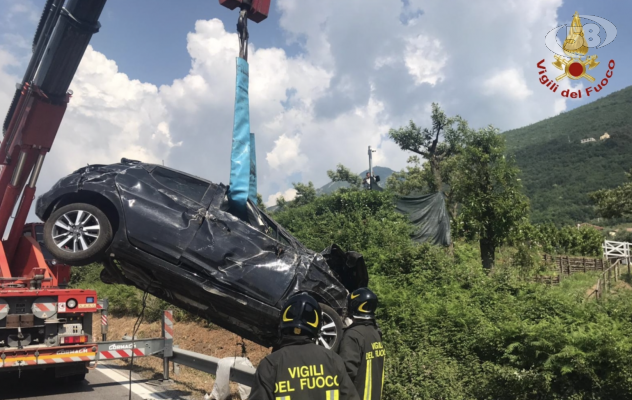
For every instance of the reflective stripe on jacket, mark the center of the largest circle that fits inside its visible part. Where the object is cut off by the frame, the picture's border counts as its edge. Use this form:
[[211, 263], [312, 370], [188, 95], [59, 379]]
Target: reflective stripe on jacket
[[362, 351], [301, 370]]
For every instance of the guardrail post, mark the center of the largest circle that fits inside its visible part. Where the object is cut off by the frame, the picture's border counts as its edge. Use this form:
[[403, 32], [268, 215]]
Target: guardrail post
[[176, 366], [167, 333], [104, 320]]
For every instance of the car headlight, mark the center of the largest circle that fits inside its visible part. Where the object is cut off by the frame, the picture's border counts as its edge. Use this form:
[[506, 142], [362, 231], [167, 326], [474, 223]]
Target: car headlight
[[72, 303]]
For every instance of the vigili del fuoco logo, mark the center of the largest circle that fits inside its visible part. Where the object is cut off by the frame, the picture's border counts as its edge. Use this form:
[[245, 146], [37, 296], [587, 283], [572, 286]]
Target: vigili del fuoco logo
[[572, 57]]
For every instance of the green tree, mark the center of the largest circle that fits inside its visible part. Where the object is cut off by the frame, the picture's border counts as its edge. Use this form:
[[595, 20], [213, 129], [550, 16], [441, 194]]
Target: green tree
[[425, 142], [344, 174], [260, 203], [487, 187], [281, 203], [305, 194], [415, 178], [614, 203]]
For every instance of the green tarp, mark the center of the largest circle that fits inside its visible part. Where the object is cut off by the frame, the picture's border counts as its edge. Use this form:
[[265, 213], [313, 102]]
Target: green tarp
[[429, 216]]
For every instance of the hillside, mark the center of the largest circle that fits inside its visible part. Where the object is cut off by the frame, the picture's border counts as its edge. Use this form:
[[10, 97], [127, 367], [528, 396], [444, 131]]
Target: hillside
[[558, 170]]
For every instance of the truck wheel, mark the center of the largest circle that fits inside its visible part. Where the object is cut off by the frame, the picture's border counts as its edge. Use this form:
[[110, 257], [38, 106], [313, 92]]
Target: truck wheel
[[331, 331], [77, 234]]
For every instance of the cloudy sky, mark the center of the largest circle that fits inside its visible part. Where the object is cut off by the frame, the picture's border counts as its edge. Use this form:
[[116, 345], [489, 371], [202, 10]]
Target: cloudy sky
[[328, 78]]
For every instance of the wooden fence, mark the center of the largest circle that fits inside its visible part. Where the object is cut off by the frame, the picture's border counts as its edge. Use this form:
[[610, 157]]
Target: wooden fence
[[565, 266], [549, 280], [616, 256], [606, 279]]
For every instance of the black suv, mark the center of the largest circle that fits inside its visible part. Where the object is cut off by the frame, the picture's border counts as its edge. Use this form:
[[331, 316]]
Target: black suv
[[171, 234]]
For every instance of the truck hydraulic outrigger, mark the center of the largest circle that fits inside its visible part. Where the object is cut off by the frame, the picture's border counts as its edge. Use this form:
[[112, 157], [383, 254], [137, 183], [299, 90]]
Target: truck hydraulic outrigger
[[40, 321]]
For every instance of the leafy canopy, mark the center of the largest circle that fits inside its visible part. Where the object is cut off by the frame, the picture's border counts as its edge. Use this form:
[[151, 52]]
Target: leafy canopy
[[426, 143], [614, 203], [344, 174], [487, 188]]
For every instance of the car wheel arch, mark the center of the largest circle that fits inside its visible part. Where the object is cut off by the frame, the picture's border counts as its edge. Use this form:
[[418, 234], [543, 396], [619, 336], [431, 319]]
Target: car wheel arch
[[319, 298], [89, 197]]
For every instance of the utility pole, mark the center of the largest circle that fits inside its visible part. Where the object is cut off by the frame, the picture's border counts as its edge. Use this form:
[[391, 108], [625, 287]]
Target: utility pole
[[371, 168]]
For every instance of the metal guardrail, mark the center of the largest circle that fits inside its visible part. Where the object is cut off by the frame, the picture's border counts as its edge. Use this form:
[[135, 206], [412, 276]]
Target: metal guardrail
[[209, 364], [163, 348]]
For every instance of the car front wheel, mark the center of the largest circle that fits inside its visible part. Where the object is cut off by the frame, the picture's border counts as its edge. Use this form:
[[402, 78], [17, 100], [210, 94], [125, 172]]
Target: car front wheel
[[331, 331], [77, 234]]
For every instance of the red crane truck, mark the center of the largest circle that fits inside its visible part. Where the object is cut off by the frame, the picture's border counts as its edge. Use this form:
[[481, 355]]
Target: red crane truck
[[43, 324]]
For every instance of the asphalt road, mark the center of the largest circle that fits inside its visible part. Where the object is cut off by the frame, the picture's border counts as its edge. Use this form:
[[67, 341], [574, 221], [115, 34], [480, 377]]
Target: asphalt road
[[100, 384]]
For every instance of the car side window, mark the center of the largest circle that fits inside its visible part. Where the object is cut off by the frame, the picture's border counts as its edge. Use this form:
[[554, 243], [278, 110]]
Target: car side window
[[186, 185]]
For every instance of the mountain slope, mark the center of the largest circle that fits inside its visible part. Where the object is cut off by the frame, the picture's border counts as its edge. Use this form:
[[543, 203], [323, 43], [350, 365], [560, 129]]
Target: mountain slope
[[558, 170]]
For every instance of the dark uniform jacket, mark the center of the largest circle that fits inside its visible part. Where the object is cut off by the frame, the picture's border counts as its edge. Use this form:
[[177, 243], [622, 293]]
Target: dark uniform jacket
[[362, 351], [301, 370]]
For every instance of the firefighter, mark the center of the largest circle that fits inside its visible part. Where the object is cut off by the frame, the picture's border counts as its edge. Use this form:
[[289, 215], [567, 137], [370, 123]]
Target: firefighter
[[361, 346], [299, 369]]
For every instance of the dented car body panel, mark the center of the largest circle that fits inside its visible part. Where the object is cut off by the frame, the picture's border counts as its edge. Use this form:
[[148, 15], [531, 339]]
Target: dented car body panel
[[175, 238]]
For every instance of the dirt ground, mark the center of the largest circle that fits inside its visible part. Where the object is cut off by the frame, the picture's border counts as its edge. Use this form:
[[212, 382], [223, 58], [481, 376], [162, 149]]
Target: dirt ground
[[195, 337]]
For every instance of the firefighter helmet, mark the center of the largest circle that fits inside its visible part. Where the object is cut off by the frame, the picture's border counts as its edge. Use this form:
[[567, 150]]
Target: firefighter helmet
[[362, 304], [301, 314]]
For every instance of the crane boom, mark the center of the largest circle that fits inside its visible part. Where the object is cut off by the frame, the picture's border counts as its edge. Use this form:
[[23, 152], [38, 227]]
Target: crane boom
[[37, 110]]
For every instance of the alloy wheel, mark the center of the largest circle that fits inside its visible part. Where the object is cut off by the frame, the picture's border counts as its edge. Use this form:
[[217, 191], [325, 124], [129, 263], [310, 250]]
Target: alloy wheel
[[76, 231], [328, 333]]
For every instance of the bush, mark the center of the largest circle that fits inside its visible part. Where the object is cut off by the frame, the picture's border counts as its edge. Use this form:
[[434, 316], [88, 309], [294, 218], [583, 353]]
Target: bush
[[496, 337], [568, 240], [453, 332], [355, 220], [622, 235]]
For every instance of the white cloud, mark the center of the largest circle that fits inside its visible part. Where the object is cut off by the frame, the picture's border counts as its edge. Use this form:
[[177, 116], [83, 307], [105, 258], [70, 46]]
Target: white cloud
[[560, 105], [109, 117], [425, 59], [288, 195], [508, 83], [286, 155], [360, 71]]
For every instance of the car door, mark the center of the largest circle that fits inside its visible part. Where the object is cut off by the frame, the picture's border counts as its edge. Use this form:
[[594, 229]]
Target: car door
[[240, 256], [163, 209]]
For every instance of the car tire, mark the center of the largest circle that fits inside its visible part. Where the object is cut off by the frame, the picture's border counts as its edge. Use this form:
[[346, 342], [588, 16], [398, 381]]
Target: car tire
[[327, 332], [79, 243]]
